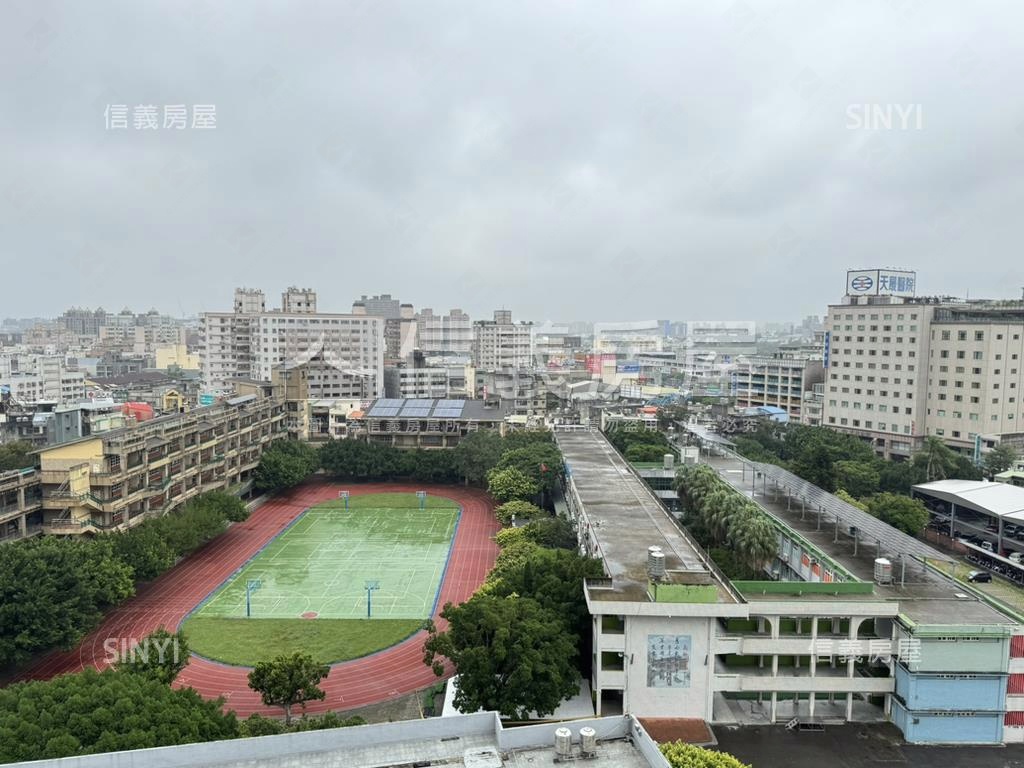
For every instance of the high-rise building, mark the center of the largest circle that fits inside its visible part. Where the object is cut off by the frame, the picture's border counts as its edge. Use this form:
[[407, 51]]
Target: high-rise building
[[900, 368], [344, 354], [448, 335], [399, 323], [500, 343]]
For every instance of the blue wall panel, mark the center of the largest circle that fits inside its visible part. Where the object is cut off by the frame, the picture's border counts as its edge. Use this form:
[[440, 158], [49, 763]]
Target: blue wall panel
[[921, 691]]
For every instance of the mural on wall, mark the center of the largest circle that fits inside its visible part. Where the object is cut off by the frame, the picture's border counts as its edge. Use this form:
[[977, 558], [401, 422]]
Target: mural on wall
[[668, 661]]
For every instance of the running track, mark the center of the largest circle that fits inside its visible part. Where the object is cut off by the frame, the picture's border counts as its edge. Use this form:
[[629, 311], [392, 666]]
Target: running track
[[382, 676]]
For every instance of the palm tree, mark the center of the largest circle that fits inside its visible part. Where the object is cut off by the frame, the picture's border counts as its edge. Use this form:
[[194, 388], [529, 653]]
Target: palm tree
[[936, 459], [724, 508], [753, 539]]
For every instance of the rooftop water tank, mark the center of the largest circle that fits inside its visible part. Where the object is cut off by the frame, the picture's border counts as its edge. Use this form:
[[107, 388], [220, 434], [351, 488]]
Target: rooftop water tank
[[588, 741], [563, 743], [669, 461], [655, 563], [883, 571]]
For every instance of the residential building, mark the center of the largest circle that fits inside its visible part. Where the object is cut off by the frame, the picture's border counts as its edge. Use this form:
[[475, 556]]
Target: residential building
[[297, 301], [427, 423], [778, 380], [500, 343], [344, 353], [399, 324], [449, 335], [728, 339], [113, 480], [402, 381], [83, 322]]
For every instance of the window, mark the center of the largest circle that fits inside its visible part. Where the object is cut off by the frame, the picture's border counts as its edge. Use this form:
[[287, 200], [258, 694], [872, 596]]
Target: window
[[945, 335], [979, 335]]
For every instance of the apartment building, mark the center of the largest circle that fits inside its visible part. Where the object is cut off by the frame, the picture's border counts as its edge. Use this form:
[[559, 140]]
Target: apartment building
[[399, 323], [902, 368], [114, 480], [344, 353], [500, 343], [21, 502], [403, 382], [449, 335], [779, 380]]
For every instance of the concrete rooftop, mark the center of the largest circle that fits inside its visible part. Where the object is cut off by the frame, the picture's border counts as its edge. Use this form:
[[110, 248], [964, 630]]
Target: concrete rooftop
[[627, 518]]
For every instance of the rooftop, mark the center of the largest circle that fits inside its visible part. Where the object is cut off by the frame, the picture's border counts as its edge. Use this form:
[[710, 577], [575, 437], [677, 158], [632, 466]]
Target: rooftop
[[626, 518], [429, 408], [472, 741], [999, 499]]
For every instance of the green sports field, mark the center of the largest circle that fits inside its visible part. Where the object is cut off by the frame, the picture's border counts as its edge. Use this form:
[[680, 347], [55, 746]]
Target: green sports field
[[312, 577]]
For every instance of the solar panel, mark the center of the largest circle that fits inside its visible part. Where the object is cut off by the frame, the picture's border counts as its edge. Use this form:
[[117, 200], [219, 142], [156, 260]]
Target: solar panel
[[384, 411], [868, 527], [415, 413], [418, 403], [390, 402], [451, 404], [447, 413]]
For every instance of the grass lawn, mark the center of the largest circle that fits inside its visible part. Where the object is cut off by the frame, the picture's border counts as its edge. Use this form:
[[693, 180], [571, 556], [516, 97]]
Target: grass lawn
[[247, 641]]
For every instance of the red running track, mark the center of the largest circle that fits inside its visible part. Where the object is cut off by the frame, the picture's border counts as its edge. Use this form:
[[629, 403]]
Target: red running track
[[382, 676]]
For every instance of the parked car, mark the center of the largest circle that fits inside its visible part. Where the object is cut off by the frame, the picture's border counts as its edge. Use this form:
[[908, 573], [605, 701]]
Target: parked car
[[979, 577], [987, 546]]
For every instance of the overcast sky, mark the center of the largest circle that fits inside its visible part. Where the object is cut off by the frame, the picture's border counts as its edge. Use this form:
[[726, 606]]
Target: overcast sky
[[591, 160]]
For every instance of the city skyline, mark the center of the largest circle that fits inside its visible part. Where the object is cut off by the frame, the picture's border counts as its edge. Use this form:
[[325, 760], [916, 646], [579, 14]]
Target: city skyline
[[728, 159]]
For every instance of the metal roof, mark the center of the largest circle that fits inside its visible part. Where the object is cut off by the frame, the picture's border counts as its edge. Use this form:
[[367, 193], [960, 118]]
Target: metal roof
[[997, 499], [868, 528]]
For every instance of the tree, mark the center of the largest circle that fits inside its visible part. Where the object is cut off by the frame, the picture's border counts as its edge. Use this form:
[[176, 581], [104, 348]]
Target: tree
[[541, 462], [552, 532], [476, 454], [859, 478], [644, 453], [288, 680], [934, 461], [160, 655], [1000, 459], [511, 485], [16, 455], [753, 538], [682, 755], [511, 655], [520, 510], [906, 514], [285, 464], [229, 506], [53, 591], [107, 711]]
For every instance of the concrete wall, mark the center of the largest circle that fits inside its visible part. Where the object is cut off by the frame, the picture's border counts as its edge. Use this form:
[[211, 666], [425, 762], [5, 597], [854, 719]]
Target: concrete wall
[[660, 700], [921, 728], [924, 691], [962, 655]]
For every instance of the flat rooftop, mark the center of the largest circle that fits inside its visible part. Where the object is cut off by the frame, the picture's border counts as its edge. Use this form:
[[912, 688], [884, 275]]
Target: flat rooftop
[[626, 518], [467, 741], [925, 596]]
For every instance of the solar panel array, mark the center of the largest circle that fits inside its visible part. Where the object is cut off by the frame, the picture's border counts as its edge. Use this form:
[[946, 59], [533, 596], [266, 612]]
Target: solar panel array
[[416, 408], [868, 528]]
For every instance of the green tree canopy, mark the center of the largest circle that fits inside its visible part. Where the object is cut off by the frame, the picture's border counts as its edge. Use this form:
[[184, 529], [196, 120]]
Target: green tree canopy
[[476, 454], [541, 462], [160, 655], [511, 655], [16, 454], [108, 711], [511, 484], [682, 755], [902, 512], [999, 459], [859, 478], [285, 464], [521, 510], [287, 680]]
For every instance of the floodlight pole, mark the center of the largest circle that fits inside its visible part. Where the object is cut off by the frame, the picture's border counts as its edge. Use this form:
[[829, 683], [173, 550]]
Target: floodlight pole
[[422, 496], [370, 586], [344, 495]]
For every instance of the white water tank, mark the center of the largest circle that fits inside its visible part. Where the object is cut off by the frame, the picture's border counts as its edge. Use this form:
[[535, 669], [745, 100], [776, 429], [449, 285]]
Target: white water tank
[[588, 740], [883, 571], [563, 743], [655, 563], [669, 460]]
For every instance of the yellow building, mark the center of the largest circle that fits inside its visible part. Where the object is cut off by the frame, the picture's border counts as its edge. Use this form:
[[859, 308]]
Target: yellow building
[[116, 479], [176, 354]]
